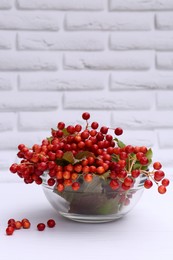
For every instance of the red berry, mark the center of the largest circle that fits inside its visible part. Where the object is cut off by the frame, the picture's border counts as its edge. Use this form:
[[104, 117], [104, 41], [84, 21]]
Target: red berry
[[118, 131], [11, 221], [51, 223], [75, 186], [139, 155], [94, 125], [125, 187], [13, 168], [60, 187], [41, 226], [85, 134], [165, 182], [100, 170], [61, 125], [144, 160], [161, 189], [88, 177], [148, 184], [51, 182], [114, 184], [157, 166], [159, 175], [78, 128], [85, 115], [9, 230], [104, 129], [128, 181], [70, 129], [18, 225], [135, 173], [26, 224]]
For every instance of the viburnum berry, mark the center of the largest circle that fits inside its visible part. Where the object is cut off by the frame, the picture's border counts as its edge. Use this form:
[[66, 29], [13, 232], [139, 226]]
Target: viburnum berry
[[51, 223], [135, 173], [161, 189], [75, 186], [157, 166], [61, 125], [144, 160], [114, 184], [94, 125], [159, 175], [104, 129], [18, 224], [128, 181], [11, 221], [78, 128], [165, 182], [51, 181], [26, 224], [13, 168], [118, 131], [9, 231], [41, 226], [88, 177], [85, 115], [148, 184]]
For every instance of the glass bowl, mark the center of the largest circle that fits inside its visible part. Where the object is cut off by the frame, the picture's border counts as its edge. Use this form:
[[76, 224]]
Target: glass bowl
[[94, 202]]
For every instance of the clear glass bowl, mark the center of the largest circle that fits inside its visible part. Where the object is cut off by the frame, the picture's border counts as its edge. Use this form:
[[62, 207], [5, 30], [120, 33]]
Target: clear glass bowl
[[94, 202]]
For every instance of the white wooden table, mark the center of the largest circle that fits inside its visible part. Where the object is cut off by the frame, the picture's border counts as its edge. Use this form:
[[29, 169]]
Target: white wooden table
[[146, 233]]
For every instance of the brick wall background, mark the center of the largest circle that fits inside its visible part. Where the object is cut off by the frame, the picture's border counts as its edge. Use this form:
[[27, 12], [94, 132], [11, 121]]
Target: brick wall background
[[112, 58]]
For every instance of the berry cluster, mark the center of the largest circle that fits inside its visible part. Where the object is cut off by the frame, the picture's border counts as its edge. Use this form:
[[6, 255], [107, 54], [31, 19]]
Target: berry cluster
[[13, 225], [73, 151]]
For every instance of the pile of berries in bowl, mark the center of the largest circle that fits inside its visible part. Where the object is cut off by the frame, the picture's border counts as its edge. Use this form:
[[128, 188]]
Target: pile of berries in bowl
[[87, 173]]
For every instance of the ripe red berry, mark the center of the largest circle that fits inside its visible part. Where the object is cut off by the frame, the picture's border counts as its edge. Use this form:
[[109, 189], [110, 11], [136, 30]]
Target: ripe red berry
[[157, 166], [13, 168], [161, 189], [18, 224], [118, 131], [104, 129], [135, 173], [61, 125], [60, 187], [78, 128], [51, 223], [9, 230], [114, 184], [70, 129], [11, 221], [165, 182], [159, 175], [94, 125], [88, 177], [51, 181], [75, 186], [26, 224], [144, 160], [85, 115], [41, 226], [128, 181], [148, 184]]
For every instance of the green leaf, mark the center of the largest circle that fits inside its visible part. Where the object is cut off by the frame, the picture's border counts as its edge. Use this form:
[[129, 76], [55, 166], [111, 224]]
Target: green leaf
[[120, 143], [65, 132], [149, 154], [83, 155], [68, 156], [137, 165], [50, 139]]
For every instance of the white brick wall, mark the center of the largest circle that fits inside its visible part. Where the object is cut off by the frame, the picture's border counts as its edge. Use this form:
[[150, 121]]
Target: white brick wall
[[59, 58]]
